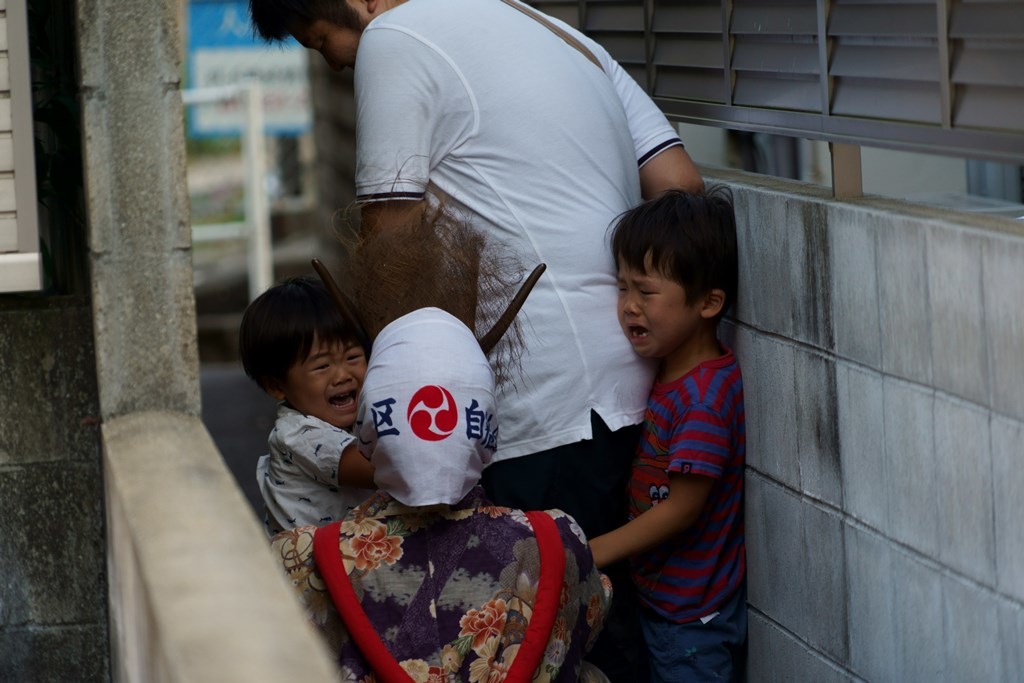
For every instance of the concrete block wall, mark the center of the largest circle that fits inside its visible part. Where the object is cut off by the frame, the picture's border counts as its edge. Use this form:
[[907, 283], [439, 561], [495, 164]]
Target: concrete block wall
[[53, 605], [883, 355]]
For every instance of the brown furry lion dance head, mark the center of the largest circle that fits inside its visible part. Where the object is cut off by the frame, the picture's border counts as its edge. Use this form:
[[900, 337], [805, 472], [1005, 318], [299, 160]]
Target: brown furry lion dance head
[[437, 260]]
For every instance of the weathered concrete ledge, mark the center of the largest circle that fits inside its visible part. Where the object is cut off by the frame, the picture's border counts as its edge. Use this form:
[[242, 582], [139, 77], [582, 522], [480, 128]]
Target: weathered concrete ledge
[[194, 593]]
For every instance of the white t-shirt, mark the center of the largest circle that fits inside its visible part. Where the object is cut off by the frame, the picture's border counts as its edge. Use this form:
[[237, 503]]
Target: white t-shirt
[[299, 477], [540, 149]]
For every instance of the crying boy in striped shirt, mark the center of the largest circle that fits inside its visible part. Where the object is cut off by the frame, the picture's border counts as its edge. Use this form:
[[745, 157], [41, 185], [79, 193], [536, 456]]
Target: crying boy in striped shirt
[[677, 275]]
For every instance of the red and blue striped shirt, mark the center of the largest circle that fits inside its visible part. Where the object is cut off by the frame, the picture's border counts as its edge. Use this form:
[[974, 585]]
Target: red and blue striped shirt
[[693, 425]]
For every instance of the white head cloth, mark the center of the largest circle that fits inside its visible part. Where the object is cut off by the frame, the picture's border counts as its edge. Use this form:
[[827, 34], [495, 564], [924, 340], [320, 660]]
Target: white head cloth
[[426, 411]]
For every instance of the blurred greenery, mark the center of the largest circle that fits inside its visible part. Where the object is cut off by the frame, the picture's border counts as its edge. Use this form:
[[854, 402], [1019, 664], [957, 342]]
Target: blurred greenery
[[221, 204], [213, 147]]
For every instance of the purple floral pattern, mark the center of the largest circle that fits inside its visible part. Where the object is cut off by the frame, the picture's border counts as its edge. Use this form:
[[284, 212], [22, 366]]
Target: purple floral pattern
[[450, 590]]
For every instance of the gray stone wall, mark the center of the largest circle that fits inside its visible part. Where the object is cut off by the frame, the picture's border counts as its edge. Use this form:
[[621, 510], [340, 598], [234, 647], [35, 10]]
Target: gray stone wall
[[883, 357], [53, 602], [71, 363]]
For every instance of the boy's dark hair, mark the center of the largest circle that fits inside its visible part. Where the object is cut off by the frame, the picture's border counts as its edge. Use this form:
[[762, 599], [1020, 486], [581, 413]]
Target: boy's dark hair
[[274, 20], [686, 237], [278, 327]]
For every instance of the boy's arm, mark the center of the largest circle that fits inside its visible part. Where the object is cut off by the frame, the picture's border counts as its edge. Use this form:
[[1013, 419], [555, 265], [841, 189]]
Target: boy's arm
[[686, 497], [354, 469]]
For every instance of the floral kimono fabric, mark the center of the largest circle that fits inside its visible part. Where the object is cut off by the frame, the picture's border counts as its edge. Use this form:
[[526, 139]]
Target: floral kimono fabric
[[549, 588], [452, 591]]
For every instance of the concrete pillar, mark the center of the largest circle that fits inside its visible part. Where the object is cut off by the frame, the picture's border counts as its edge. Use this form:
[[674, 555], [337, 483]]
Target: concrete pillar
[[138, 213]]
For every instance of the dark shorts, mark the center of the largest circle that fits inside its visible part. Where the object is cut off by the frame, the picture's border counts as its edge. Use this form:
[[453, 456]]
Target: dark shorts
[[587, 479], [715, 651]]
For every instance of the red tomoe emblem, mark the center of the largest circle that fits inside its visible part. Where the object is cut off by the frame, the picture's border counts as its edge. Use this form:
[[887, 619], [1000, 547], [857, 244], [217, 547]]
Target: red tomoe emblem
[[432, 414]]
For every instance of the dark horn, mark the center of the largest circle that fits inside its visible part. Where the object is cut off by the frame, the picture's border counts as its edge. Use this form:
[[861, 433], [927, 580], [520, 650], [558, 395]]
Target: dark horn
[[348, 311], [489, 340]]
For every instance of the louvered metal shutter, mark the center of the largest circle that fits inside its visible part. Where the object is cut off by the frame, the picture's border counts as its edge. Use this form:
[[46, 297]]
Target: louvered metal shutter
[[941, 76], [20, 259]]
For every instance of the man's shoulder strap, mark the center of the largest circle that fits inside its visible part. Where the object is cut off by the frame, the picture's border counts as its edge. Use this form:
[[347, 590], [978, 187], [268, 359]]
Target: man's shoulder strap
[[557, 30]]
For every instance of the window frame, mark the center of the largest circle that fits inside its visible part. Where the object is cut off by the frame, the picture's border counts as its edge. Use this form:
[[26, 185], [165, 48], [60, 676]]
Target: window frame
[[823, 55], [21, 269]]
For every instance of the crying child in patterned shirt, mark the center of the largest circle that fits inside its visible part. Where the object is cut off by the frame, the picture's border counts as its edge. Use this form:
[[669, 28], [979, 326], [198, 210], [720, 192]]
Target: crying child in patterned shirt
[[296, 346], [677, 275]]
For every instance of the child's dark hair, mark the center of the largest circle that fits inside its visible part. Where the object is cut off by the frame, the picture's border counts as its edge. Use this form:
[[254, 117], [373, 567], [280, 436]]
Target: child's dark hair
[[274, 20], [686, 237], [278, 327]]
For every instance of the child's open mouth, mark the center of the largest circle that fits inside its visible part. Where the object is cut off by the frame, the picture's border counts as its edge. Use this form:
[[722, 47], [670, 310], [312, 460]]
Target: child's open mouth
[[637, 332], [343, 400]]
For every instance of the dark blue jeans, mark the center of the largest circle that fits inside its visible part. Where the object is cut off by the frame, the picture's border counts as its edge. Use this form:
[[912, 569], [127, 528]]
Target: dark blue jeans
[[715, 651]]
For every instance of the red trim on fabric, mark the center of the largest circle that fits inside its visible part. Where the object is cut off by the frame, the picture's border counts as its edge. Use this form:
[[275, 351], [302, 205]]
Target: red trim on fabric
[[385, 667], [545, 608], [332, 569]]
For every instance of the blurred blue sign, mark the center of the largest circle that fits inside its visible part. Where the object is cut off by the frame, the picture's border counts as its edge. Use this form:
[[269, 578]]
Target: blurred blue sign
[[223, 50]]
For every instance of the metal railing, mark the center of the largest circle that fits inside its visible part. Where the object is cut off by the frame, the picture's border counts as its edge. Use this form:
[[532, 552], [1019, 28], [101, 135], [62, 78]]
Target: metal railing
[[255, 225]]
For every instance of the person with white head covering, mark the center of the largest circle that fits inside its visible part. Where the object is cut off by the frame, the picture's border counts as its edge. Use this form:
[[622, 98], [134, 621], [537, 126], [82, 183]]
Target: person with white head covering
[[428, 580], [427, 420]]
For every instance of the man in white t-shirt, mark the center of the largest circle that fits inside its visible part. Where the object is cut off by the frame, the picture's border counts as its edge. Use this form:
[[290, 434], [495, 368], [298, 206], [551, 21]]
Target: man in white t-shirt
[[542, 144]]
